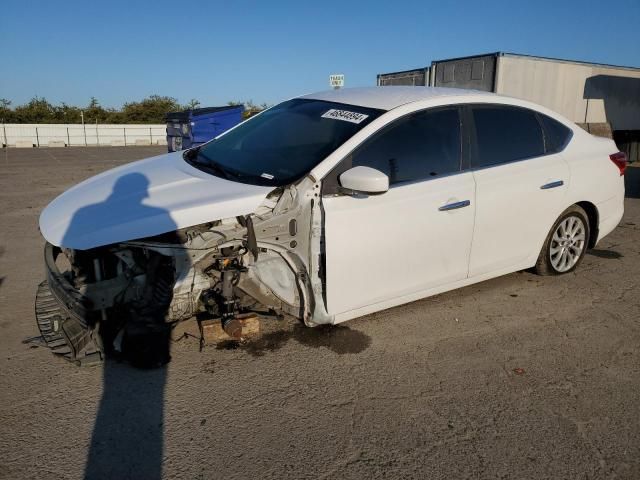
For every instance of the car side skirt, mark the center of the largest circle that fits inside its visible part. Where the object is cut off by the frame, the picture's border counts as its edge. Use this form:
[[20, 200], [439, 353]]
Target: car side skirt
[[376, 307]]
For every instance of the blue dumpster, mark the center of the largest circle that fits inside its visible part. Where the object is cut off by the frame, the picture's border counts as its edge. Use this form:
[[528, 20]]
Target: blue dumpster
[[193, 127]]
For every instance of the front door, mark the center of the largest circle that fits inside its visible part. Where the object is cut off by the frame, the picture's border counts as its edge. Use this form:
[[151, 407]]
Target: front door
[[415, 236]]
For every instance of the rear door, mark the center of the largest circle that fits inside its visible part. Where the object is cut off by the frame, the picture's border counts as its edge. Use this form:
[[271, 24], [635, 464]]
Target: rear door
[[521, 184], [413, 237]]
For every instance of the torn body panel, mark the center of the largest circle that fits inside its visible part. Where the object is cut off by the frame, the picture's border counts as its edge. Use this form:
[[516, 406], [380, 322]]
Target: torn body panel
[[268, 262]]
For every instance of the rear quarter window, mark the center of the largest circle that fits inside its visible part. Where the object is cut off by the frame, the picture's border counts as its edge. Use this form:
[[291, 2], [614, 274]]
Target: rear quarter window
[[556, 134]]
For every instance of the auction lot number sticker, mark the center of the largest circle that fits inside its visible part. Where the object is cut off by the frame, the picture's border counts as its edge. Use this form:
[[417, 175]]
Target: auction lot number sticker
[[345, 115]]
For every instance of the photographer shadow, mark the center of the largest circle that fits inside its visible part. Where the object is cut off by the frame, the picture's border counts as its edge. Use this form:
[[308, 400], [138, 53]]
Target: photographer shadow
[[128, 434]]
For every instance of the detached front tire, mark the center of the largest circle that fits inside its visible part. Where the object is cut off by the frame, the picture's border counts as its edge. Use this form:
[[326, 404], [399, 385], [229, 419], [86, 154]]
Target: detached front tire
[[566, 243]]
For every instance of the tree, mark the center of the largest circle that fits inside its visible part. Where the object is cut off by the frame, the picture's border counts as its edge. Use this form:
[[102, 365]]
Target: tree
[[67, 114], [5, 110], [193, 103], [250, 108], [95, 112], [38, 110], [150, 110]]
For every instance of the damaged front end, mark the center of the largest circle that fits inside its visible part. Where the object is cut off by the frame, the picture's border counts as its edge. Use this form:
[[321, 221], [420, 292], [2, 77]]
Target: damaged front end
[[124, 298], [109, 299]]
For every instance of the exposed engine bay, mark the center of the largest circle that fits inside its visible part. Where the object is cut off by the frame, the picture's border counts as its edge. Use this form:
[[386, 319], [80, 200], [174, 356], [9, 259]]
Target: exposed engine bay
[[114, 298]]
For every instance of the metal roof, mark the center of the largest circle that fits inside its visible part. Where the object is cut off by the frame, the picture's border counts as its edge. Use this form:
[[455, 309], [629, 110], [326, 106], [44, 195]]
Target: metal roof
[[386, 98], [518, 55], [411, 70]]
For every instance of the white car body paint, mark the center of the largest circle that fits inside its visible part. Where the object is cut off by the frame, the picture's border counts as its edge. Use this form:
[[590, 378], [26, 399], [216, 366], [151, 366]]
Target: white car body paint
[[595, 180], [394, 244], [175, 195], [513, 211], [382, 250], [365, 179], [504, 194]]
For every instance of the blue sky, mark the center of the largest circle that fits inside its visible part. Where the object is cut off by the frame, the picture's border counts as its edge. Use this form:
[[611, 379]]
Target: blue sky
[[217, 51]]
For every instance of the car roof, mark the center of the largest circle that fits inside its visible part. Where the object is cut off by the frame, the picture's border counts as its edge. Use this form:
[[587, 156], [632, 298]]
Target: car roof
[[389, 97]]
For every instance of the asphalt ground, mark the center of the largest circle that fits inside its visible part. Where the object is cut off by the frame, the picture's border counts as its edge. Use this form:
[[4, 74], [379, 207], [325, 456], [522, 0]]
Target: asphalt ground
[[518, 377]]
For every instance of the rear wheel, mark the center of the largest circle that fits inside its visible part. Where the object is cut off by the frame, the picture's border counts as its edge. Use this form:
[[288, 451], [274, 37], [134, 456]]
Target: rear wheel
[[566, 243]]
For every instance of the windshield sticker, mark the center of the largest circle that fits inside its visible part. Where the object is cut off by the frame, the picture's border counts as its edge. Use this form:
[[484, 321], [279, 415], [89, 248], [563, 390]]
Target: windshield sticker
[[345, 115], [268, 176]]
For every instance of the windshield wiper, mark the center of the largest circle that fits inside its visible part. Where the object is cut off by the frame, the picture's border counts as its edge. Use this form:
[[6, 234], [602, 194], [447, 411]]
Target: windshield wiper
[[213, 167], [191, 153], [201, 162]]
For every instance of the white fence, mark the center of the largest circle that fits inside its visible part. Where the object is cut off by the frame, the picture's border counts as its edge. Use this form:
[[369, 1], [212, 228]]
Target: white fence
[[43, 135]]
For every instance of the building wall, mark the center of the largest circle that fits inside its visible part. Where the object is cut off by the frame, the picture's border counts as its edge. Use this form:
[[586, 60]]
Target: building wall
[[583, 93]]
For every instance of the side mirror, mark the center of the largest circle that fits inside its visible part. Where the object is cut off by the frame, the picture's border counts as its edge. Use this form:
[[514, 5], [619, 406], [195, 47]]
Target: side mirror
[[365, 180]]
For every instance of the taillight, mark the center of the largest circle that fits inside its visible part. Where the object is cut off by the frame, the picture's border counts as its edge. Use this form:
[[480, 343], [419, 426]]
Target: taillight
[[620, 159]]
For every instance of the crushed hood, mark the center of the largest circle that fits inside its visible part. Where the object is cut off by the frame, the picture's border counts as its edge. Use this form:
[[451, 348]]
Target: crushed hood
[[141, 199]]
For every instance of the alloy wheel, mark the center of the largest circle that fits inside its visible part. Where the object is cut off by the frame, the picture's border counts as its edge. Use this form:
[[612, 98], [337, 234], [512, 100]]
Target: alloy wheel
[[567, 243]]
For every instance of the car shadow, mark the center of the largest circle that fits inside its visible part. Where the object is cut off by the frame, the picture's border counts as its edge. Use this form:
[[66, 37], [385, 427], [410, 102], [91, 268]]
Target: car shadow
[[612, 254], [127, 438]]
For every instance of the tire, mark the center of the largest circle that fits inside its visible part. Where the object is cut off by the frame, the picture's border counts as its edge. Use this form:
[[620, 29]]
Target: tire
[[570, 234]]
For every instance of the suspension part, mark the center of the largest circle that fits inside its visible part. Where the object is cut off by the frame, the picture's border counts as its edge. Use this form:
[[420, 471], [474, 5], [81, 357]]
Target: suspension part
[[230, 324]]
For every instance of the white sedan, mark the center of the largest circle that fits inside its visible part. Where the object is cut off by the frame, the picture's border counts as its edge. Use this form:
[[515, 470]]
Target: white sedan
[[325, 207]]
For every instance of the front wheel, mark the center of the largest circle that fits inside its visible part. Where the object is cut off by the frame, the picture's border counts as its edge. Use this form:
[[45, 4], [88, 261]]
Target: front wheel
[[566, 243]]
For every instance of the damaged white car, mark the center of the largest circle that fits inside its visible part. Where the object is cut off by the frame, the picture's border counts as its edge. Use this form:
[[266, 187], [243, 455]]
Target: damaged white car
[[325, 207]]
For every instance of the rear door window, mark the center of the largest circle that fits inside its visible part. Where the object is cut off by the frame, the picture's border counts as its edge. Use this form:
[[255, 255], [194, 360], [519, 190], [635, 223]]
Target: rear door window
[[420, 146], [505, 134]]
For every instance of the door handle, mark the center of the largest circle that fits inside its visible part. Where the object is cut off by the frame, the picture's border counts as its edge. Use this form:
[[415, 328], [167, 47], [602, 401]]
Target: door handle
[[454, 205], [547, 186]]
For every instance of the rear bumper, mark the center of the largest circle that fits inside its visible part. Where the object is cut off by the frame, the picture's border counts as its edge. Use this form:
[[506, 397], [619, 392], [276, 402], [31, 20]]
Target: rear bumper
[[610, 213]]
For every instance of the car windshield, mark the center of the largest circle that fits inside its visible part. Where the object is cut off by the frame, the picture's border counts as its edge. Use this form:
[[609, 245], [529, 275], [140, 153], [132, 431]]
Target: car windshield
[[283, 143]]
